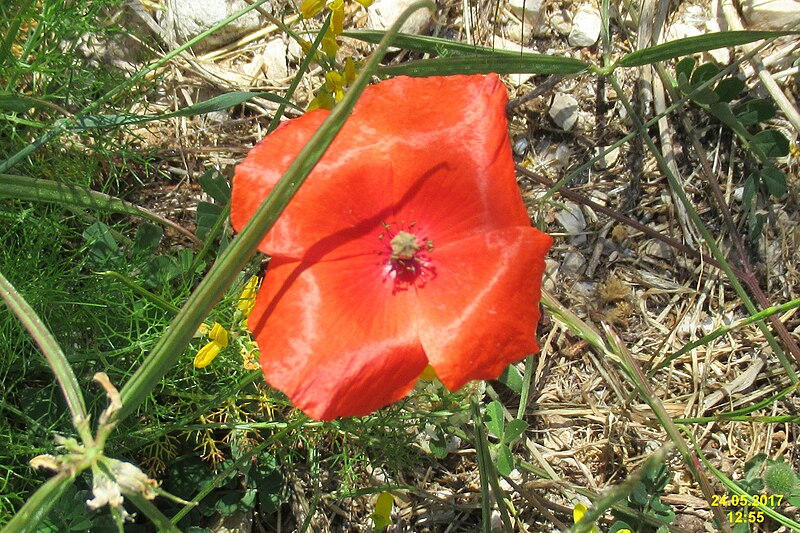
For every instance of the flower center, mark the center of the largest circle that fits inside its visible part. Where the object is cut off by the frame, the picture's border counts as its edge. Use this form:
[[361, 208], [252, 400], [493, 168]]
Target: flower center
[[404, 245], [406, 257]]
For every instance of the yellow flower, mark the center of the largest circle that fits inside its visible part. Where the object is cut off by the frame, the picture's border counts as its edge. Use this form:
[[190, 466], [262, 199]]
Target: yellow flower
[[206, 354], [334, 88], [219, 340], [577, 513], [247, 299], [311, 8], [219, 334], [329, 44], [337, 16]]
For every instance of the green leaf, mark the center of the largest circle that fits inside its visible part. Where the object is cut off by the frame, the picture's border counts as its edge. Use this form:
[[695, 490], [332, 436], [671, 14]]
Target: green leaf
[[382, 516], [148, 236], [102, 248], [755, 111], [159, 271], [499, 63], [772, 142], [438, 443], [511, 378], [683, 70], [618, 525], [217, 103], [750, 186], [207, 214], [216, 185], [230, 502], [17, 103], [495, 422], [752, 468], [694, 45], [701, 75], [754, 226], [639, 496], [704, 73], [514, 430], [729, 88], [505, 460], [268, 479], [774, 180]]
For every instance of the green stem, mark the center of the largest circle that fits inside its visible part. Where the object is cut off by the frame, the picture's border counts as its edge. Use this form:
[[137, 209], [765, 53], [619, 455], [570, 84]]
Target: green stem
[[38, 505], [52, 352]]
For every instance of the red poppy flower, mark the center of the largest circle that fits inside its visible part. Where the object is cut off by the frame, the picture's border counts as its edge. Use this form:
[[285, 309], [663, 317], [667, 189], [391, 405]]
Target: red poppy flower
[[408, 245]]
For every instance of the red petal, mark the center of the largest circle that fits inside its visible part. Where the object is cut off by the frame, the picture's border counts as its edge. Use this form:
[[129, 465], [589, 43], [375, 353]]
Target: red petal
[[453, 170], [479, 311], [337, 212], [434, 151], [335, 337]]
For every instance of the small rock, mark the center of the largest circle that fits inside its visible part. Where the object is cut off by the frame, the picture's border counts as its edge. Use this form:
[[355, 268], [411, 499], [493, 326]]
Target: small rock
[[738, 194], [561, 21], [530, 12], [275, 54], [185, 19], [771, 14], [382, 14], [608, 160], [585, 27], [551, 267], [572, 265], [572, 220], [659, 249], [564, 111], [521, 33]]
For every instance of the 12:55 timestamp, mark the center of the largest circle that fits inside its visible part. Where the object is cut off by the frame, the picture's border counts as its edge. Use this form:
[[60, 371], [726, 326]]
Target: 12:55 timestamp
[[741, 517]]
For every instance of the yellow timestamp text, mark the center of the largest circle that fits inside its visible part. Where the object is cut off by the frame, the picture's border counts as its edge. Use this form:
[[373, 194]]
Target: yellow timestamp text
[[742, 517], [746, 500]]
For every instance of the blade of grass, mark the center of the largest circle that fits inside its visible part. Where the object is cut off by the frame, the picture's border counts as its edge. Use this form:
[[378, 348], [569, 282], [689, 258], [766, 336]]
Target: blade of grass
[[152, 513], [146, 294], [484, 64], [483, 467], [228, 266], [52, 352], [41, 190], [301, 71], [217, 103], [694, 45], [38, 505], [724, 330]]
